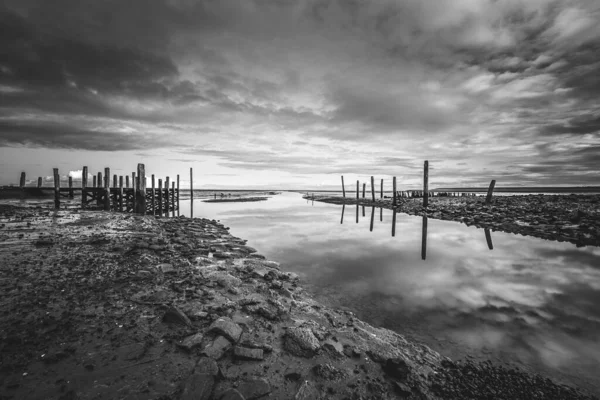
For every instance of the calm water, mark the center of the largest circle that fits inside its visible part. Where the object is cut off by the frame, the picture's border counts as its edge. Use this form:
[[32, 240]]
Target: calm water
[[527, 301]]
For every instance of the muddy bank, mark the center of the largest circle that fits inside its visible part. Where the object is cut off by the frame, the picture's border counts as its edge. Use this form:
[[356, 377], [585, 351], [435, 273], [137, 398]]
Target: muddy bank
[[103, 305], [236, 200], [12, 192], [572, 218]]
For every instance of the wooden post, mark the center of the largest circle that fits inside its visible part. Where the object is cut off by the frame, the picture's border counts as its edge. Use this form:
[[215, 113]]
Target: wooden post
[[177, 194], [488, 199], [141, 189], [372, 218], [173, 197], [424, 239], [394, 202], [121, 193], [70, 187], [343, 209], [381, 191], [127, 182], [343, 188], [22, 185], [115, 181], [357, 190], [394, 223], [373, 188], [167, 196], [134, 194], [94, 181], [153, 194], [39, 182], [56, 189], [191, 193], [426, 184], [106, 189], [160, 198], [488, 238], [84, 181], [99, 185]]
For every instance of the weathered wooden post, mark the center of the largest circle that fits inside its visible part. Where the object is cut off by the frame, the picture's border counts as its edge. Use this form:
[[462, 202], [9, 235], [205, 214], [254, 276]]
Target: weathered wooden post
[[167, 209], [394, 223], [395, 194], [372, 218], [343, 188], [426, 184], [121, 194], [373, 188], [84, 181], [70, 187], [100, 183], [56, 188], [381, 191], [134, 193], [22, 185], [127, 182], [106, 189], [191, 193], [115, 185], [488, 238], [490, 192], [173, 197], [160, 197], [94, 181], [177, 195], [424, 239], [153, 194], [141, 189], [39, 184], [343, 209], [357, 190]]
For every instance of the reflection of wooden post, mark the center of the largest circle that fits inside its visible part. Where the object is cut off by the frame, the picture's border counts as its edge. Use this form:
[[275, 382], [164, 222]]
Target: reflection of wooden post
[[39, 182], [488, 238], [357, 213], [395, 194], [121, 193], [426, 184], [488, 199], [357, 190], [394, 223], [160, 198], [372, 188], [191, 193], [56, 189], [381, 191], [381, 214], [364, 188], [343, 209], [343, 188], [424, 239], [363, 208], [153, 193], [141, 195], [84, 181], [372, 218]]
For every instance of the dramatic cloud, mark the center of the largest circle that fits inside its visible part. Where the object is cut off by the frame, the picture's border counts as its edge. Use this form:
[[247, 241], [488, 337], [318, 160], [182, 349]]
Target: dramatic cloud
[[505, 89]]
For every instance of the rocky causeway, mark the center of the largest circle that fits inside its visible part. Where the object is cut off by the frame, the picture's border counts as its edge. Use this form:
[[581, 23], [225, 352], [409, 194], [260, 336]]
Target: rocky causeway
[[98, 305]]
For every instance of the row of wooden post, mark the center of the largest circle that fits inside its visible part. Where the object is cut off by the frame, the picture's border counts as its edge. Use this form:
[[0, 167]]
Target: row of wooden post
[[488, 199]]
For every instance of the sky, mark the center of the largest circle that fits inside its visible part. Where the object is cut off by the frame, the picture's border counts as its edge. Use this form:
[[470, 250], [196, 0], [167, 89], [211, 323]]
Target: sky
[[295, 93]]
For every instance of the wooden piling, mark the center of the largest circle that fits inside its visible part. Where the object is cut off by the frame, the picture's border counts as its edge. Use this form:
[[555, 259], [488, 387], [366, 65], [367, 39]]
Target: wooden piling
[[56, 188], [177, 195], [357, 190], [141, 189], [127, 182], [22, 180], [160, 198], [115, 181], [426, 184], [490, 192], [106, 189], [94, 181], [39, 184], [153, 193], [372, 218], [343, 188], [424, 239], [395, 201], [191, 193], [173, 197], [121, 193], [167, 209], [488, 238], [372, 188], [84, 182], [364, 189], [70, 187]]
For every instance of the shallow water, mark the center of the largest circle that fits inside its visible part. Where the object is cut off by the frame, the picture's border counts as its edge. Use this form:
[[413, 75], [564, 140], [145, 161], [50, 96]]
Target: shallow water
[[510, 298]]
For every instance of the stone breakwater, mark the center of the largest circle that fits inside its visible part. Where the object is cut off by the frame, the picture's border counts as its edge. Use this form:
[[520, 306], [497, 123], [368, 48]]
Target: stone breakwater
[[565, 218], [97, 305]]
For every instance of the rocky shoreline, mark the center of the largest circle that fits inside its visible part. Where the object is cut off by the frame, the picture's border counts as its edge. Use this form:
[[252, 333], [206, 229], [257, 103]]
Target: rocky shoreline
[[97, 305], [564, 218]]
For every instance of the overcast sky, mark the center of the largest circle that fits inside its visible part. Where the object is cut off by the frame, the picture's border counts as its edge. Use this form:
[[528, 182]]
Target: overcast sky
[[295, 93]]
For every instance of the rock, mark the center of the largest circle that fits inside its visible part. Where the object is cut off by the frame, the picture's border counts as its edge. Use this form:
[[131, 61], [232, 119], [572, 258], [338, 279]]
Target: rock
[[207, 365], [245, 353], [176, 316], [197, 387], [192, 341], [254, 389], [307, 392], [231, 394], [329, 372], [301, 342], [334, 347], [217, 348], [403, 390], [166, 268], [397, 368], [226, 327], [224, 279]]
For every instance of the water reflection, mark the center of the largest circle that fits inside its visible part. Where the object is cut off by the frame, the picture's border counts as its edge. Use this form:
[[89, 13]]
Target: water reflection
[[424, 238]]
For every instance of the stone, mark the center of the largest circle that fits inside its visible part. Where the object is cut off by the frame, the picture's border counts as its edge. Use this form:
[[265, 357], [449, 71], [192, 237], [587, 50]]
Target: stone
[[397, 368], [224, 279], [245, 353], [176, 316], [301, 342], [334, 347], [254, 389], [231, 394], [207, 365], [198, 387], [329, 372], [166, 268], [192, 341], [307, 391], [226, 327], [217, 348]]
